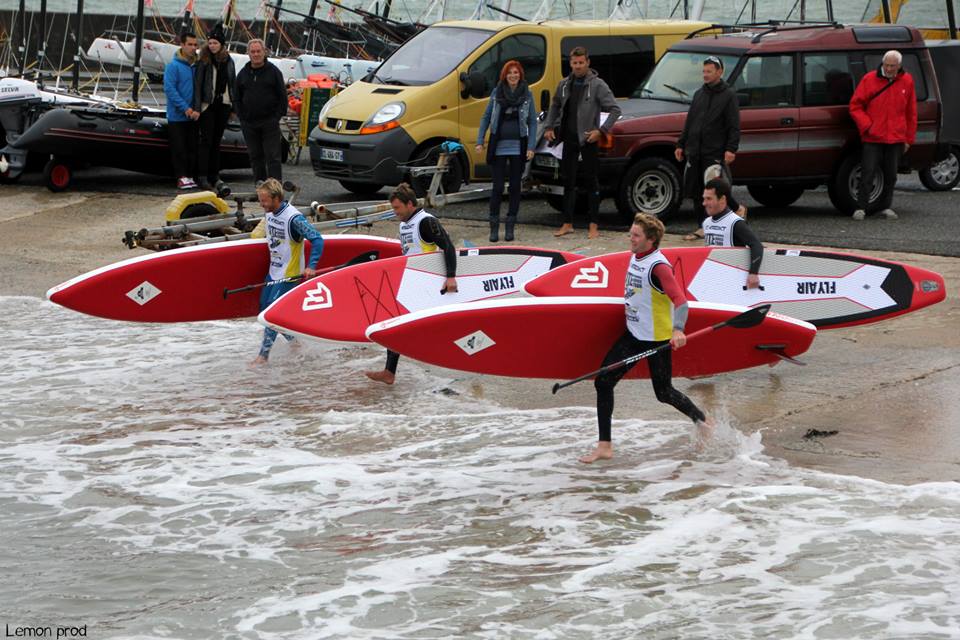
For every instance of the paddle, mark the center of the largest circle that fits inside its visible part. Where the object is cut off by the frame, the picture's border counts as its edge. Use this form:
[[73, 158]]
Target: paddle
[[745, 320], [363, 257]]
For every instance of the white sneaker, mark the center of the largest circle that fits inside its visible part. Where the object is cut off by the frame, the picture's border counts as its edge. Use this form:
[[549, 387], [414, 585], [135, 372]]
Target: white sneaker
[[889, 214], [859, 214], [186, 183]]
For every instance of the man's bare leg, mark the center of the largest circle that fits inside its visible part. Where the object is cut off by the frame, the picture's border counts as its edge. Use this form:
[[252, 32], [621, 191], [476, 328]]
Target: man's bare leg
[[603, 451], [385, 376]]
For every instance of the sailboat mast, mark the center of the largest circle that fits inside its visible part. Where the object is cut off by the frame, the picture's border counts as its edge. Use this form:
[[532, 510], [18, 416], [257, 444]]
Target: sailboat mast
[[41, 42], [138, 48], [273, 28], [306, 29], [23, 35], [77, 35]]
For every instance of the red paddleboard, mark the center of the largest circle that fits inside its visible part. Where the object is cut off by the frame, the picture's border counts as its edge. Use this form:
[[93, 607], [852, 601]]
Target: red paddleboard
[[829, 290], [187, 285], [341, 305], [568, 337]]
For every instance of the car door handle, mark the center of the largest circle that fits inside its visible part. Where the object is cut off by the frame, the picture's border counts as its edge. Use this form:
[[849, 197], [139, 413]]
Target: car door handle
[[786, 120]]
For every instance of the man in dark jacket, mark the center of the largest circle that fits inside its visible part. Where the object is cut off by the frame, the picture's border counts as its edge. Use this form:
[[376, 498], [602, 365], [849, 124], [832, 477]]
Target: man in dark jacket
[[575, 111], [884, 107], [261, 101], [710, 138]]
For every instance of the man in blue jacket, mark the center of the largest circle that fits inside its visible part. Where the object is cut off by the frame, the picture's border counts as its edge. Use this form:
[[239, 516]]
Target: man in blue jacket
[[181, 117]]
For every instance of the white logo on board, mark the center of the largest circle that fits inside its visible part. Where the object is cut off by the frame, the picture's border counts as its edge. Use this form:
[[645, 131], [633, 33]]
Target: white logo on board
[[318, 298], [594, 277], [475, 342], [143, 293]]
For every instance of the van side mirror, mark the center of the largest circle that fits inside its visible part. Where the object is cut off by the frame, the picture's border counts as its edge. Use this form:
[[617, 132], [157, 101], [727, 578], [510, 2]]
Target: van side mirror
[[474, 85], [545, 100]]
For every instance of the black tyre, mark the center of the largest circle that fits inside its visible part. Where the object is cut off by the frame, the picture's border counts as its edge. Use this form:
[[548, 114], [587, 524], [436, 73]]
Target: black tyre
[[452, 180], [556, 202], [361, 188], [57, 175], [775, 195], [944, 175], [842, 189], [651, 186], [198, 210]]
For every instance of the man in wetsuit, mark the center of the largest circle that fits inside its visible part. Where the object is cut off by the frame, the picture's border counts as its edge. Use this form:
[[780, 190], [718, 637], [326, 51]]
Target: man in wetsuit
[[656, 310], [285, 229], [420, 232], [723, 228]]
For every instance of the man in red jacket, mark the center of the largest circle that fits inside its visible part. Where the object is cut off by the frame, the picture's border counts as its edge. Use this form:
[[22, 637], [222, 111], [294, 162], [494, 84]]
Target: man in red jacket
[[884, 107]]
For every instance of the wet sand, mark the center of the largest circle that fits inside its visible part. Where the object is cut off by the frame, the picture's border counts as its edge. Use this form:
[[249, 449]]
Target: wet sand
[[890, 389]]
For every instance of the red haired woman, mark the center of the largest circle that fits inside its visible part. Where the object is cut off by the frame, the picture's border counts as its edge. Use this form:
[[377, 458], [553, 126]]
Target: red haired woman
[[512, 121]]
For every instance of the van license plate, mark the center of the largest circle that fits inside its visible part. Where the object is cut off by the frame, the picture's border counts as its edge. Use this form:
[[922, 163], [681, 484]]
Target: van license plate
[[545, 160], [331, 154]]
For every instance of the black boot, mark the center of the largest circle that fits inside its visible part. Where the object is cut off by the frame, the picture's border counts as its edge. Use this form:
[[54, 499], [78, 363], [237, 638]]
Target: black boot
[[494, 229], [508, 234]]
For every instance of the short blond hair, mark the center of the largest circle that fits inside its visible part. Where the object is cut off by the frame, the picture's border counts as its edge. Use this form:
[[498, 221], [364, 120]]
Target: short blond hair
[[272, 187], [652, 227]]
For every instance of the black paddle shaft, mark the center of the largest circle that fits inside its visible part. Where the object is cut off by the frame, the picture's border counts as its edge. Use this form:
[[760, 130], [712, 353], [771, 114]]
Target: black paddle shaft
[[745, 320], [367, 256]]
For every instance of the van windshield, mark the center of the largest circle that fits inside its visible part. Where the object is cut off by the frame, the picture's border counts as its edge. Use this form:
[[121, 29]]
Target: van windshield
[[429, 55], [679, 74]]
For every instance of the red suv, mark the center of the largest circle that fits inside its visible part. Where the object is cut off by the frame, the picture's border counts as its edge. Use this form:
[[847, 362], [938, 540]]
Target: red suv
[[793, 84]]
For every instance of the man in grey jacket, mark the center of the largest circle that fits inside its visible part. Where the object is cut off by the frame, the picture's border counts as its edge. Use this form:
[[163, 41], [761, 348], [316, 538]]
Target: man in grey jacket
[[574, 120]]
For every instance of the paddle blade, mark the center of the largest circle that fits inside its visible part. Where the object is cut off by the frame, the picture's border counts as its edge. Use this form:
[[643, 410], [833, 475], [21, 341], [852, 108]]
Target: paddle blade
[[367, 256], [747, 319]]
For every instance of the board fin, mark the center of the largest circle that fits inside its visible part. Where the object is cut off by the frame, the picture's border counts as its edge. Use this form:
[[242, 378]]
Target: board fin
[[777, 350]]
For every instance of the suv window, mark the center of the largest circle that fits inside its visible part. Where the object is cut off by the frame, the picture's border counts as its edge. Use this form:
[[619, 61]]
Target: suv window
[[679, 74], [827, 79], [911, 62], [766, 81], [622, 61], [528, 49]]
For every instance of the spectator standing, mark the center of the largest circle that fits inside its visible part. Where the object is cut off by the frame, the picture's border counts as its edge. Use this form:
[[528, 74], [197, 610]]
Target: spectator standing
[[181, 116], [512, 120], [575, 111], [261, 101], [710, 138], [213, 98], [884, 107]]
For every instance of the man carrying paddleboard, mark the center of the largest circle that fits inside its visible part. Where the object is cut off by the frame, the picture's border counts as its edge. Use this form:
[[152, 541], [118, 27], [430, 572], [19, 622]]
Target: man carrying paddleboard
[[420, 232], [285, 229], [724, 228], [656, 310]]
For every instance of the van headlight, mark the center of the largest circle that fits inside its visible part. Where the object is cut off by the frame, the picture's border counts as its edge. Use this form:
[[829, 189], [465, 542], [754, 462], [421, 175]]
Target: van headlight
[[323, 111], [386, 118]]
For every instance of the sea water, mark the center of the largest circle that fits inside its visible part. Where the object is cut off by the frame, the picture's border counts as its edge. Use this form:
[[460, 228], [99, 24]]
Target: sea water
[[153, 486]]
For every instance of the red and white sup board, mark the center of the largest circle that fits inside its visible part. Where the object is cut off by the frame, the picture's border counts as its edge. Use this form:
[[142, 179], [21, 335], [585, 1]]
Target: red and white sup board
[[829, 290], [566, 337], [341, 305], [187, 285]]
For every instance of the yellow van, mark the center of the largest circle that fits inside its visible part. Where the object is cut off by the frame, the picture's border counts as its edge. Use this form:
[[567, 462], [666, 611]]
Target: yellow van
[[435, 88]]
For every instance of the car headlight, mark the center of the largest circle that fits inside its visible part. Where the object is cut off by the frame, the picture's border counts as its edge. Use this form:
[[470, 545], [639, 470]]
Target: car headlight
[[324, 109], [386, 113]]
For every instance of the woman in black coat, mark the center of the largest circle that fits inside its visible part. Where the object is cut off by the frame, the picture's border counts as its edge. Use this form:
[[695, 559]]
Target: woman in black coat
[[213, 98]]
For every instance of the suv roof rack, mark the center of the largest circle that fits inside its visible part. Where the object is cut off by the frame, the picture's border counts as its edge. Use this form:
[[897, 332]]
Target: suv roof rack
[[770, 26]]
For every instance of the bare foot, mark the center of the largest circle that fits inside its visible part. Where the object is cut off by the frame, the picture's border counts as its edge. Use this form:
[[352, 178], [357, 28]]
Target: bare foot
[[705, 430], [563, 230], [603, 451], [380, 376], [259, 361], [295, 346], [593, 233]]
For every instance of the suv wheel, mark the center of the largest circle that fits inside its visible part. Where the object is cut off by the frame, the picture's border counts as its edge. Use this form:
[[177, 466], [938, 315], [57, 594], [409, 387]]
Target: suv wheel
[[944, 175], [770, 195], [842, 189], [651, 186], [555, 200]]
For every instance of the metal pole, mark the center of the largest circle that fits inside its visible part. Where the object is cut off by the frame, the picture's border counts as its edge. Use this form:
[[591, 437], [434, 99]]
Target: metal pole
[[885, 8], [41, 42], [77, 34], [135, 94], [951, 20], [23, 35], [306, 30], [829, 10], [803, 10], [272, 31]]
